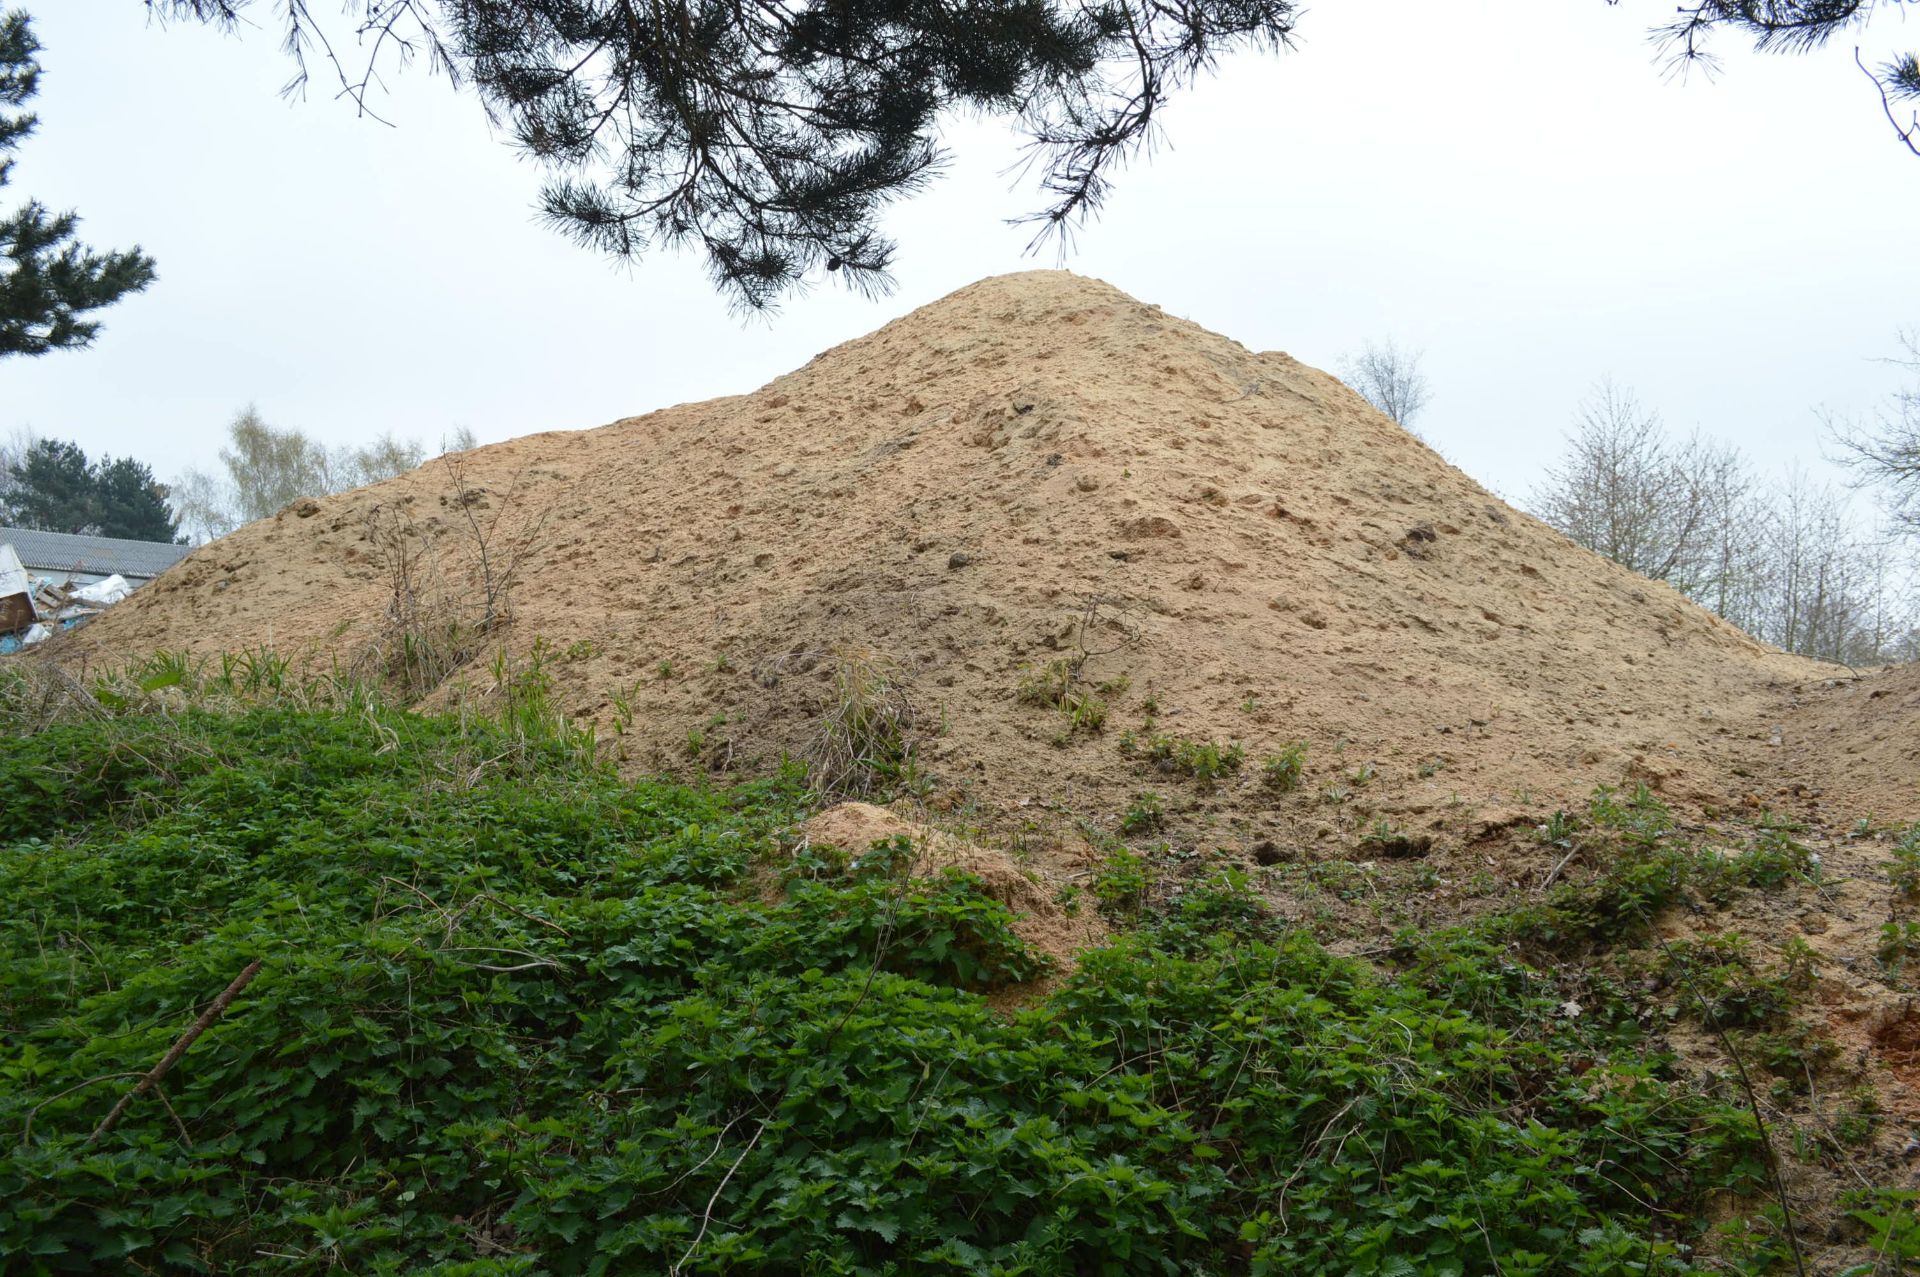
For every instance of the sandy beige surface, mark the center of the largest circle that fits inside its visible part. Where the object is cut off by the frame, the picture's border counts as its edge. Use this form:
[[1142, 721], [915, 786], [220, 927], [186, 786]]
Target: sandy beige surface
[[1037, 467]]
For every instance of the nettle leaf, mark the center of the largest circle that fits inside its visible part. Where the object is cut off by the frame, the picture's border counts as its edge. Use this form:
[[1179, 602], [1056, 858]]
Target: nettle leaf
[[885, 1225]]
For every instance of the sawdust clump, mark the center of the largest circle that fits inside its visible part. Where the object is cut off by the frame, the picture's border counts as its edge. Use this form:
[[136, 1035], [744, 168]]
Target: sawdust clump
[[1039, 919]]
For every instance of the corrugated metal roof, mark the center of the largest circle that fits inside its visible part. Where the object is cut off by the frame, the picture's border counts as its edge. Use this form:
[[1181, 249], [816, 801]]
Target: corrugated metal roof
[[61, 552]]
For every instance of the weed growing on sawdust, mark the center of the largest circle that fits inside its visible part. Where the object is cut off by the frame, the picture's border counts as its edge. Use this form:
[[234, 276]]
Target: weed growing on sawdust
[[1891, 1217], [1892, 1220], [1202, 760], [1906, 863], [1899, 944], [1725, 987], [1647, 867], [1057, 686], [1596, 934], [1146, 814], [1382, 834], [1858, 1118], [555, 1023], [1280, 773], [1792, 1054], [1121, 881], [1061, 685], [446, 599], [1799, 965], [1773, 858]]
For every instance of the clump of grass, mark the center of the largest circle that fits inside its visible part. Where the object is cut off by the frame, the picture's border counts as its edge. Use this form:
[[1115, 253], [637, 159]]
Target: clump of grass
[[523, 705], [864, 740], [1858, 1118], [1382, 833], [39, 691], [1559, 829]]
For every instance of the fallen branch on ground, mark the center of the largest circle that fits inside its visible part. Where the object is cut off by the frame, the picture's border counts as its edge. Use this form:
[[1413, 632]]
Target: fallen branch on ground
[[178, 1049]]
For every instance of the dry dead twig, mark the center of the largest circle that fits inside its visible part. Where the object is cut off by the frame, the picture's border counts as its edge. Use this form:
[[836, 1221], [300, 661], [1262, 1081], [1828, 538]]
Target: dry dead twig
[[152, 1078]]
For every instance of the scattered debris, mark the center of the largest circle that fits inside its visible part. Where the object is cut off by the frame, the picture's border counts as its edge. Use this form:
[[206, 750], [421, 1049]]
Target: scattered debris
[[16, 596], [31, 608]]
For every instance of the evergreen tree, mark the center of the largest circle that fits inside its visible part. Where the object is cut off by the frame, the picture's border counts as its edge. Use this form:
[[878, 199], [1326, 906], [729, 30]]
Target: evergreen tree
[[48, 280], [770, 135], [1795, 26], [53, 489], [129, 503]]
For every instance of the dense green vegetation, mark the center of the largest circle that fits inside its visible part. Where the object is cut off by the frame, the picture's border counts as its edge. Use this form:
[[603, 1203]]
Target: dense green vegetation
[[517, 1016]]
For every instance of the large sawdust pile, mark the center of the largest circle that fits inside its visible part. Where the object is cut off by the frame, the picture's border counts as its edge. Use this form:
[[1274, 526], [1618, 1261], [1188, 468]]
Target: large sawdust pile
[[1034, 467]]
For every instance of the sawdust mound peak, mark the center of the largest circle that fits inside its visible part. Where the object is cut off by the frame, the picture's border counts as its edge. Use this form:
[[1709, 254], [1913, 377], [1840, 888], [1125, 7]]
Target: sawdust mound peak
[[1035, 468]]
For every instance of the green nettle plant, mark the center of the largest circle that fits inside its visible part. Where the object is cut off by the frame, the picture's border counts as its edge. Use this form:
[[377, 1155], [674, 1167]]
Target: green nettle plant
[[521, 1017]]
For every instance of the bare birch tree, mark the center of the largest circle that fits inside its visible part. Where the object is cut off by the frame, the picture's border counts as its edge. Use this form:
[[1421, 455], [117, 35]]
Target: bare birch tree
[[1885, 452], [1389, 378], [268, 467], [1788, 562], [1666, 510]]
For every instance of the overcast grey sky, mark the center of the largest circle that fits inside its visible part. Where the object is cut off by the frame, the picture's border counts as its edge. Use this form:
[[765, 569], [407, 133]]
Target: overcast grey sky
[[1512, 185]]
